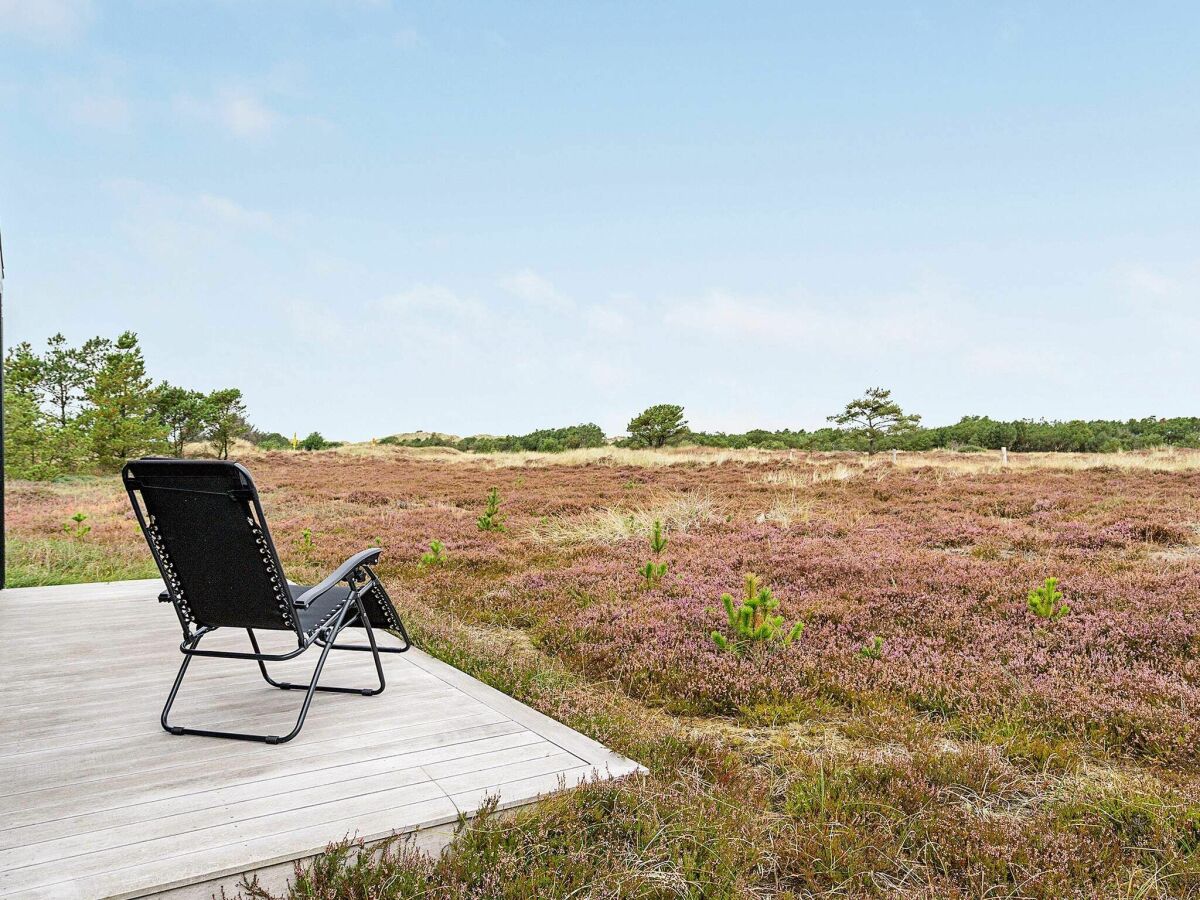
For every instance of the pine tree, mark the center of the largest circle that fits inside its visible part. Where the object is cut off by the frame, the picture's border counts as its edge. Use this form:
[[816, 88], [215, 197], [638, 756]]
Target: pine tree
[[875, 416], [27, 427], [225, 414], [121, 423], [655, 426], [67, 372], [182, 413]]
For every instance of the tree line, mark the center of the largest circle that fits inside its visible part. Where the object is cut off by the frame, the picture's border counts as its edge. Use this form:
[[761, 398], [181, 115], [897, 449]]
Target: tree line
[[546, 440], [92, 407], [876, 422], [868, 424]]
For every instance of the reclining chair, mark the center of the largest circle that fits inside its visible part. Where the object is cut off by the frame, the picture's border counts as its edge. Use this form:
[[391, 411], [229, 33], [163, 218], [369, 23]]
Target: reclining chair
[[205, 526]]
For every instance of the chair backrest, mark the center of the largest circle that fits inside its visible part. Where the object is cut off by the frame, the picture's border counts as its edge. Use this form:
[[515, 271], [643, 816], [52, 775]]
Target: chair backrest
[[205, 526]]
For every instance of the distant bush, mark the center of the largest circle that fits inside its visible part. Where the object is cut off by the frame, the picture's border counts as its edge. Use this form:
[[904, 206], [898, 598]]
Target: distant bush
[[547, 440], [432, 440], [315, 441]]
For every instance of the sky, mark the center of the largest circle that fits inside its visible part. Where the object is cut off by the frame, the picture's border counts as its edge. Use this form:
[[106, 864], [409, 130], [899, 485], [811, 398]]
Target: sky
[[379, 217]]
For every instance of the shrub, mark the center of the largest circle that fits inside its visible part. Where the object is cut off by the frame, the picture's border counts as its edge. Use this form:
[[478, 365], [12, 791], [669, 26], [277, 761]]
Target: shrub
[[752, 622], [272, 441], [315, 441]]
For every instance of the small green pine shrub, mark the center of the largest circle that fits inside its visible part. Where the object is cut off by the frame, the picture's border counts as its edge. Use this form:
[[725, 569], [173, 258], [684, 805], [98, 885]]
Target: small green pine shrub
[[658, 541], [752, 621], [1045, 601], [435, 556], [305, 545], [491, 520], [654, 572], [76, 527], [872, 649]]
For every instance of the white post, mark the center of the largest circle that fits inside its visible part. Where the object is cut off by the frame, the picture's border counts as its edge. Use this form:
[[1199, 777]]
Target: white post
[[893, 456], [1004, 456]]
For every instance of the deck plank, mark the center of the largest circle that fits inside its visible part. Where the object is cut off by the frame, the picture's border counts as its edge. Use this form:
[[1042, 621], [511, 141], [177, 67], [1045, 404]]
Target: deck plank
[[100, 802]]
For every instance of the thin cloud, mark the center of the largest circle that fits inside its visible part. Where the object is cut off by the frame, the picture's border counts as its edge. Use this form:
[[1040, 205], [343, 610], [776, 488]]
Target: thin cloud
[[431, 320], [407, 39], [234, 213], [104, 111], [238, 111], [606, 320], [908, 321], [45, 21], [1143, 282], [530, 287]]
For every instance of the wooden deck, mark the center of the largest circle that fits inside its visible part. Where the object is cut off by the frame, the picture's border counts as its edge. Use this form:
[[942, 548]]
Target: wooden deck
[[97, 801]]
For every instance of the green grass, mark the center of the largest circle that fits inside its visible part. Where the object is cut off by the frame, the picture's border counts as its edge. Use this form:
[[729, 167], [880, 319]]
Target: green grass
[[34, 562]]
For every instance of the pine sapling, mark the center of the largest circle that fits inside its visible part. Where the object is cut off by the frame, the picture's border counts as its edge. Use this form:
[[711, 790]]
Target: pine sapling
[[751, 622], [491, 520], [654, 572], [76, 527], [658, 541], [435, 556], [1045, 601], [872, 649]]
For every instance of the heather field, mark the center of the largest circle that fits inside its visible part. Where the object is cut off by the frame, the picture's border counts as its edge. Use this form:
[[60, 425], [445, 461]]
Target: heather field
[[924, 735]]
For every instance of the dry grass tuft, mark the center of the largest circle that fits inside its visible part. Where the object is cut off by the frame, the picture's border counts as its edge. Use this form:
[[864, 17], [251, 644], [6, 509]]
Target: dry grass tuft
[[787, 511], [677, 512]]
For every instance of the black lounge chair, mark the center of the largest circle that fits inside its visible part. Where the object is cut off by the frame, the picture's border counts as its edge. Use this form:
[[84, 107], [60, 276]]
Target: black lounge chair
[[206, 529]]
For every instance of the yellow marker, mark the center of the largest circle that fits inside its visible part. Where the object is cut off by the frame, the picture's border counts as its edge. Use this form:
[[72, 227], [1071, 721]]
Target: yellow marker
[[295, 441]]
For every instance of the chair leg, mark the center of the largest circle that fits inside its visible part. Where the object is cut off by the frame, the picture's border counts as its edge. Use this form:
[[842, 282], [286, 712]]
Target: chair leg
[[311, 688], [331, 644]]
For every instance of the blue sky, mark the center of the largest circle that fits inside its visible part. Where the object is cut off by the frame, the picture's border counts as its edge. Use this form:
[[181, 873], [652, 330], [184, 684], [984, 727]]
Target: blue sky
[[490, 217]]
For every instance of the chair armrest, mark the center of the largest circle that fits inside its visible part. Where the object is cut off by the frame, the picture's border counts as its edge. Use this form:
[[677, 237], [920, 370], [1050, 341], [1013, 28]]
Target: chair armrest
[[365, 558]]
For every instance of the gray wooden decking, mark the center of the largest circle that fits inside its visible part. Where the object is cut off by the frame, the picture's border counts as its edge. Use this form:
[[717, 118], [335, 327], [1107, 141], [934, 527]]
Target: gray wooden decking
[[96, 800]]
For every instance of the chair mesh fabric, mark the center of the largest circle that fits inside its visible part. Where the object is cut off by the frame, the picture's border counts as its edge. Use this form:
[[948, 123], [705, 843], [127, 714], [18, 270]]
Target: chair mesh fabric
[[377, 603], [217, 560], [322, 609]]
